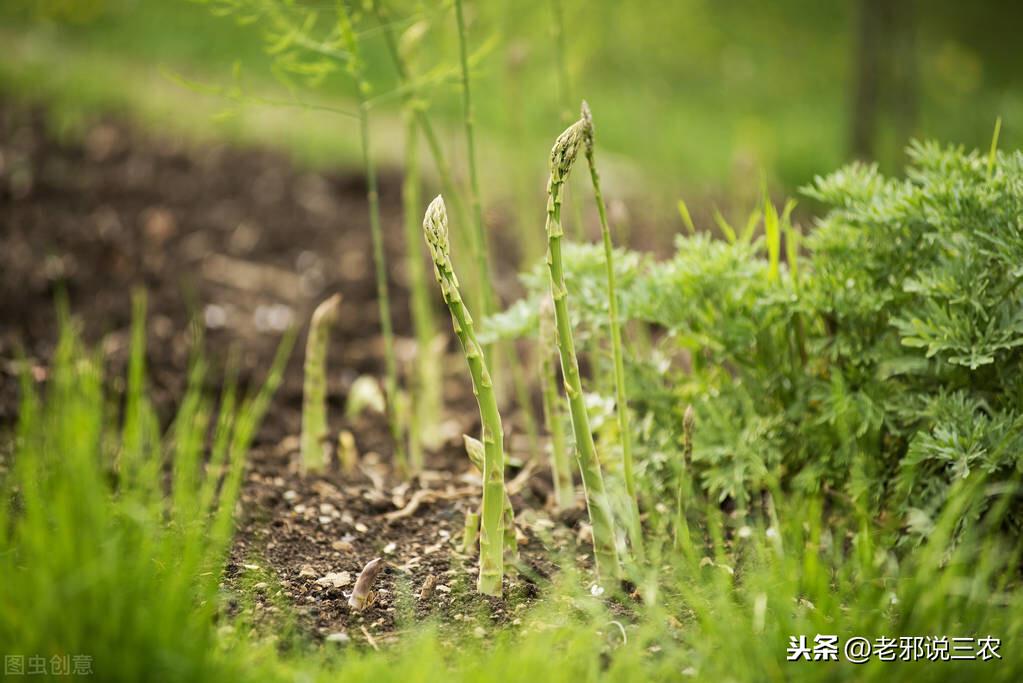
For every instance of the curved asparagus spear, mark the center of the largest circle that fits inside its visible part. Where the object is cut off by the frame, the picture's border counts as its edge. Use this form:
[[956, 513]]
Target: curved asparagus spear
[[605, 550], [314, 389], [621, 398], [435, 228]]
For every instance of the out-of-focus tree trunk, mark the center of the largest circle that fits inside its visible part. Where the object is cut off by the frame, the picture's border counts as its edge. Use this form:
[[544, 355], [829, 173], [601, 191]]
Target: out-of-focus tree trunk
[[885, 74], [867, 79]]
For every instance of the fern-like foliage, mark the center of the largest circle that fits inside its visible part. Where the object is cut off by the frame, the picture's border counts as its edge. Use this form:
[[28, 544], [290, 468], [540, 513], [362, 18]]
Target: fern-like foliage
[[888, 370]]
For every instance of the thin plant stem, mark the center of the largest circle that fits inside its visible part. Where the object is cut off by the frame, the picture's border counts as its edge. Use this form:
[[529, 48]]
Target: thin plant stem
[[481, 243], [426, 408], [356, 70], [621, 395], [561, 472]]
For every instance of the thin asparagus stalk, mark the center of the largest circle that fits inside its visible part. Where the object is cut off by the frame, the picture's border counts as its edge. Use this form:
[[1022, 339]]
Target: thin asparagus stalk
[[435, 228], [314, 393], [563, 156], [481, 242], [621, 396], [682, 539], [561, 471], [356, 69], [476, 453], [427, 395]]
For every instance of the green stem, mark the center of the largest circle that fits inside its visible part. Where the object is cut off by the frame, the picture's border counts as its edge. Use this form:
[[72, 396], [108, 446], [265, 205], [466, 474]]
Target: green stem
[[356, 69], [685, 486], [314, 391], [428, 380], [605, 549], [481, 243], [383, 296], [561, 472], [435, 228], [621, 396]]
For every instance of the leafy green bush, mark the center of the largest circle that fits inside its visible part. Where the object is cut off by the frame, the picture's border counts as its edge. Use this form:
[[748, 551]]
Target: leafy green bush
[[878, 367]]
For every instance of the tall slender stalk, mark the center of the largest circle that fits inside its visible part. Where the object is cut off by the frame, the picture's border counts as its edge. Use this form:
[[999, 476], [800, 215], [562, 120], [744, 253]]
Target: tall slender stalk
[[314, 390], [482, 242], [356, 69], [435, 228], [621, 396], [563, 156], [413, 103], [685, 481], [427, 395], [561, 471]]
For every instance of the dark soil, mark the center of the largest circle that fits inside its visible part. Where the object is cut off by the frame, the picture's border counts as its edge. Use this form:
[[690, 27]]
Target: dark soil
[[245, 243]]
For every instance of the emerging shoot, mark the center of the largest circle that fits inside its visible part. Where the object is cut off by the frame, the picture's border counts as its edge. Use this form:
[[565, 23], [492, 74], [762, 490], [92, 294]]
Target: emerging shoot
[[314, 393], [435, 229]]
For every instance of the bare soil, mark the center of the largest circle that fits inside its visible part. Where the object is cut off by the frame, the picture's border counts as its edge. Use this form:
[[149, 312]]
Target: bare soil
[[244, 243]]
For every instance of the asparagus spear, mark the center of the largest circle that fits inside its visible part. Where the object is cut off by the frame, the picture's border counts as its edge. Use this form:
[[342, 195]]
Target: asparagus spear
[[314, 393], [435, 228], [563, 156]]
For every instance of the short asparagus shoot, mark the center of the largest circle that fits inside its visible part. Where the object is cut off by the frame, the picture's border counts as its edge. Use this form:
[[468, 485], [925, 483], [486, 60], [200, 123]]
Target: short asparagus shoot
[[314, 390], [491, 572], [362, 594], [621, 395], [563, 156]]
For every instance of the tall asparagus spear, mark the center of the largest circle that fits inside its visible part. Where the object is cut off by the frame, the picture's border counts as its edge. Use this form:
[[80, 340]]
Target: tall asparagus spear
[[314, 390], [605, 550], [435, 228]]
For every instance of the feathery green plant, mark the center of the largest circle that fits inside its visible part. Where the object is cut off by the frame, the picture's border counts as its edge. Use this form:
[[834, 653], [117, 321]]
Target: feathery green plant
[[621, 395], [314, 395], [435, 229], [605, 547]]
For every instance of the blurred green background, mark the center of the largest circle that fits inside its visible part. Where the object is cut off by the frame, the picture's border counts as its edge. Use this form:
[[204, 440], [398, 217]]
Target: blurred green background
[[694, 97]]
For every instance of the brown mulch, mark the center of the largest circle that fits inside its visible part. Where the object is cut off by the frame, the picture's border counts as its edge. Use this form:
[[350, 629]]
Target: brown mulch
[[246, 243]]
